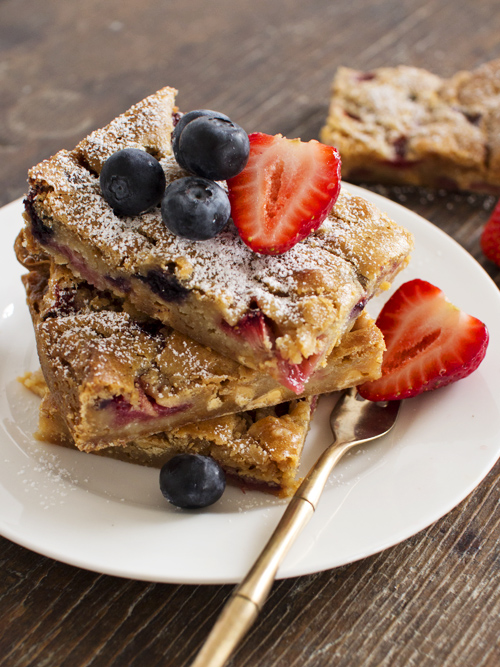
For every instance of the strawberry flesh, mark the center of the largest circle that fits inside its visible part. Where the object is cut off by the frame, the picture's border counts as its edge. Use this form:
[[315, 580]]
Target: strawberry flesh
[[430, 343], [254, 329], [284, 193], [295, 376], [490, 237], [124, 413]]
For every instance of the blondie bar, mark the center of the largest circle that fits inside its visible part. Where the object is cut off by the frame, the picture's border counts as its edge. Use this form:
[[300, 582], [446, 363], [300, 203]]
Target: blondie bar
[[405, 125], [281, 315], [117, 374], [256, 448]]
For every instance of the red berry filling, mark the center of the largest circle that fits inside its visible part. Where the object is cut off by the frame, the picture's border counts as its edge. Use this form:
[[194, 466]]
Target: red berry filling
[[354, 116], [365, 76], [400, 159], [124, 412], [257, 330], [358, 308], [295, 376], [64, 303]]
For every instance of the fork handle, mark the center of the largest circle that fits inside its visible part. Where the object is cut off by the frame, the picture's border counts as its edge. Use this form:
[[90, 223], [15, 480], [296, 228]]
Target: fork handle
[[246, 601]]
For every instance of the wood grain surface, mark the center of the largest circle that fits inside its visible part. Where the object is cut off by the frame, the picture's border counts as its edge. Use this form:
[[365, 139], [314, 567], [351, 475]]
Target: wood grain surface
[[67, 67]]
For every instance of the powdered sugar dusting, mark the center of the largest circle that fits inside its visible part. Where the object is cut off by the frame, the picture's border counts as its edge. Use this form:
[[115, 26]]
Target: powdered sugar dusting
[[224, 269], [308, 294], [150, 129], [53, 485], [99, 345]]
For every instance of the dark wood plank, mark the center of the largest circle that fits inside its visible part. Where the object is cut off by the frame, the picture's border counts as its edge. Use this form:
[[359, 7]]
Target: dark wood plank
[[432, 600]]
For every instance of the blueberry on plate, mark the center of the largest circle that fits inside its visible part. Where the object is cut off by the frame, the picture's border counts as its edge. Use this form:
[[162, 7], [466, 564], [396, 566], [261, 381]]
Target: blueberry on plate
[[212, 147], [132, 181], [195, 208], [187, 118], [192, 481]]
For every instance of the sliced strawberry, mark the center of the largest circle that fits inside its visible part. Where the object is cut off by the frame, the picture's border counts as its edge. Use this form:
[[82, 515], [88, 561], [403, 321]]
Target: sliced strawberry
[[295, 376], [254, 329], [284, 193], [430, 343], [490, 238]]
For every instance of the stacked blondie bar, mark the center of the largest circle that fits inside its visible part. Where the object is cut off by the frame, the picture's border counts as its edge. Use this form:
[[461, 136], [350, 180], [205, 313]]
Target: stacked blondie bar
[[151, 344]]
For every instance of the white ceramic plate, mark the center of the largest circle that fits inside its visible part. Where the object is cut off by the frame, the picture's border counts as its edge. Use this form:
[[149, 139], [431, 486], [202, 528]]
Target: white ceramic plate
[[110, 517]]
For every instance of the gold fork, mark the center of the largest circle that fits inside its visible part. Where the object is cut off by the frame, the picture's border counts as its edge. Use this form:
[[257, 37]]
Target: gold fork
[[353, 421]]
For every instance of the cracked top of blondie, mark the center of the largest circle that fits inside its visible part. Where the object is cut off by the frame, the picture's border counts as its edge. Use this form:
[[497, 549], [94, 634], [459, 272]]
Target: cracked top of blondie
[[404, 115]]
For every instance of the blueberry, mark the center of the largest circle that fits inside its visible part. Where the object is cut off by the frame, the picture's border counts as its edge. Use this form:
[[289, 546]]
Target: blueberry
[[192, 481], [187, 118], [195, 208], [165, 284], [42, 232], [132, 181], [212, 147]]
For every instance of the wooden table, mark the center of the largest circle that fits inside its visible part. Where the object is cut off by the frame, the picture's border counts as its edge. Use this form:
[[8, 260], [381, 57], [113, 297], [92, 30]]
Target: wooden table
[[67, 67]]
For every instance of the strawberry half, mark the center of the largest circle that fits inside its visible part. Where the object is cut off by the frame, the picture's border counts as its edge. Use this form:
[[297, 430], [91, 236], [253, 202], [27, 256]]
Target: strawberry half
[[490, 238], [430, 343], [284, 193]]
